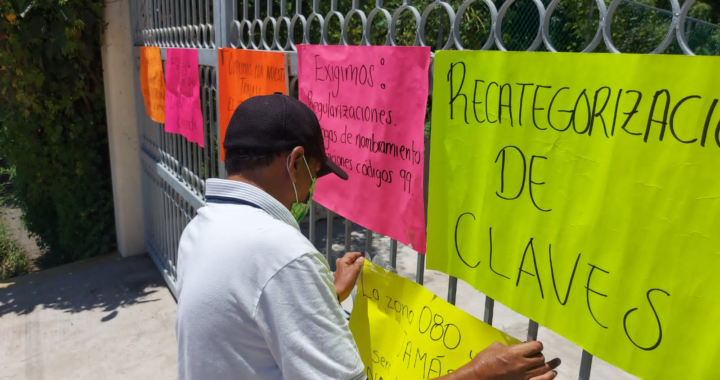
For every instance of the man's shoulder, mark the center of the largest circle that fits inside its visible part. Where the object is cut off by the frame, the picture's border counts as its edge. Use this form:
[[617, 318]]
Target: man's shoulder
[[246, 227], [242, 249]]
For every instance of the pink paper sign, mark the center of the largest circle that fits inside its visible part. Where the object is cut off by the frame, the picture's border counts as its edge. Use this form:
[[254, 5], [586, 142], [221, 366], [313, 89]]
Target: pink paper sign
[[371, 101], [182, 95]]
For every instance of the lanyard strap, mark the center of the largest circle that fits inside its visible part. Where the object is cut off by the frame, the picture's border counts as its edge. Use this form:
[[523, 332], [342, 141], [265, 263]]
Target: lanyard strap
[[236, 201]]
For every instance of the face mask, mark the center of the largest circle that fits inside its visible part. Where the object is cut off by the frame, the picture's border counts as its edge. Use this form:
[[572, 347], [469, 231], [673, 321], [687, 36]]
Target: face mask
[[300, 210]]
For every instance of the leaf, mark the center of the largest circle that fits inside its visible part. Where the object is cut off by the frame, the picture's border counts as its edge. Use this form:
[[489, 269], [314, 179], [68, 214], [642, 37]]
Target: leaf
[[36, 27], [66, 13], [35, 51]]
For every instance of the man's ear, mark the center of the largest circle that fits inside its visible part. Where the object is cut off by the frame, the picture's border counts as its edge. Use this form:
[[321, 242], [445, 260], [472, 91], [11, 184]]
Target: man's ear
[[295, 158]]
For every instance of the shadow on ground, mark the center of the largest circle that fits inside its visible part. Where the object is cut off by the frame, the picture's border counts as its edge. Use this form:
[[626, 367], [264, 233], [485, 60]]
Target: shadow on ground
[[106, 283]]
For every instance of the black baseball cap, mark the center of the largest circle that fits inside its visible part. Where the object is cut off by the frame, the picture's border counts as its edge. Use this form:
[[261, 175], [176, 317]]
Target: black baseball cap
[[277, 123]]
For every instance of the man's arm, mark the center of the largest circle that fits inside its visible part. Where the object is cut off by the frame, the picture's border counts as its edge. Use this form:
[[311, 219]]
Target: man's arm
[[500, 362], [497, 362], [303, 325]]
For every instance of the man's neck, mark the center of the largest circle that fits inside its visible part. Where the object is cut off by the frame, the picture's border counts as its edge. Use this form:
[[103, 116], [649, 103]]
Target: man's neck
[[262, 181]]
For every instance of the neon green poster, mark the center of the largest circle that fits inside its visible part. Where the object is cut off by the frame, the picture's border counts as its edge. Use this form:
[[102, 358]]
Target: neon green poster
[[583, 191]]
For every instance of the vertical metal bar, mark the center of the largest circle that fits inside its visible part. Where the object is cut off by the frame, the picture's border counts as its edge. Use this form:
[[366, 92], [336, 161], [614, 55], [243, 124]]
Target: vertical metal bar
[[219, 24], [312, 226], [206, 108], [183, 23], [176, 220], [195, 13], [199, 151], [178, 228], [368, 241], [227, 16], [157, 7], [420, 273], [215, 127], [175, 153], [170, 14], [329, 237], [171, 22], [532, 330], [489, 310], [283, 10], [168, 225], [181, 156], [348, 235], [393, 253], [167, 219], [201, 21], [219, 11], [158, 10], [585, 366], [452, 289], [164, 17], [161, 145], [183, 159]]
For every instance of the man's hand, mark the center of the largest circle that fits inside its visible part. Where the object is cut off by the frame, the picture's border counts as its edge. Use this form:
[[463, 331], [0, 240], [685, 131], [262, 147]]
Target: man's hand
[[523, 361], [346, 273]]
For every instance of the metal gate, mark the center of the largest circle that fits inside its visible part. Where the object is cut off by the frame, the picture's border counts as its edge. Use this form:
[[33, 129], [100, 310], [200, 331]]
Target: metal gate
[[175, 171]]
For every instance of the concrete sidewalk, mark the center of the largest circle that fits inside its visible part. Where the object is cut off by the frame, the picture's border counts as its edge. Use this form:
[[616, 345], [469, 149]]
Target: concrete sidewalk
[[104, 318]]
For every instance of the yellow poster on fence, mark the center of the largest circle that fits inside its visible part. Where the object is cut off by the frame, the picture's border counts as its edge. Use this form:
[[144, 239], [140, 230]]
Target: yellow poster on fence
[[583, 191], [404, 331]]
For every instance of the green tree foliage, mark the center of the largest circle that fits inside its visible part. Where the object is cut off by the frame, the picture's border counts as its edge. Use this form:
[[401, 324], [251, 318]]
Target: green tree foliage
[[13, 261], [52, 123]]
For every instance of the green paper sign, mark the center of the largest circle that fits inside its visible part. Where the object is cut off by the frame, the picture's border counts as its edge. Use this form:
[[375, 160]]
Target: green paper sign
[[583, 191]]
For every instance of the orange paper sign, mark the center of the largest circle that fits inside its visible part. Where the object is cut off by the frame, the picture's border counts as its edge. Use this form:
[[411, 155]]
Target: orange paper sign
[[152, 82], [244, 74]]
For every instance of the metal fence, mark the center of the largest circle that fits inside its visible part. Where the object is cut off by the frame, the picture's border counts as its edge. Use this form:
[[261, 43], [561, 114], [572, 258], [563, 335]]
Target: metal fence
[[174, 170]]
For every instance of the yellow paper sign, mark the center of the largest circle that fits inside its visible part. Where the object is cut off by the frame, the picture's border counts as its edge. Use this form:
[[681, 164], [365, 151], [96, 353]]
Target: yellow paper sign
[[152, 82], [404, 331], [583, 191]]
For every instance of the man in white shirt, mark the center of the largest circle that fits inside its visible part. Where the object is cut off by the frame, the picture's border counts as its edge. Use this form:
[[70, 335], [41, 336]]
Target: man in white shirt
[[256, 300]]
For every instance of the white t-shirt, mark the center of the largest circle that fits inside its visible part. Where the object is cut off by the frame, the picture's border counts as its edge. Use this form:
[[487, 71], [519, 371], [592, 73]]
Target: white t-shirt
[[255, 298]]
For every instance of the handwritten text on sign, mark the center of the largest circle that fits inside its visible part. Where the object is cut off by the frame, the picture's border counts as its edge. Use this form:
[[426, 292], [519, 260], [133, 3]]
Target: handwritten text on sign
[[152, 82], [404, 331], [244, 74], [371, 105], [182, 101], [589, 203]]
